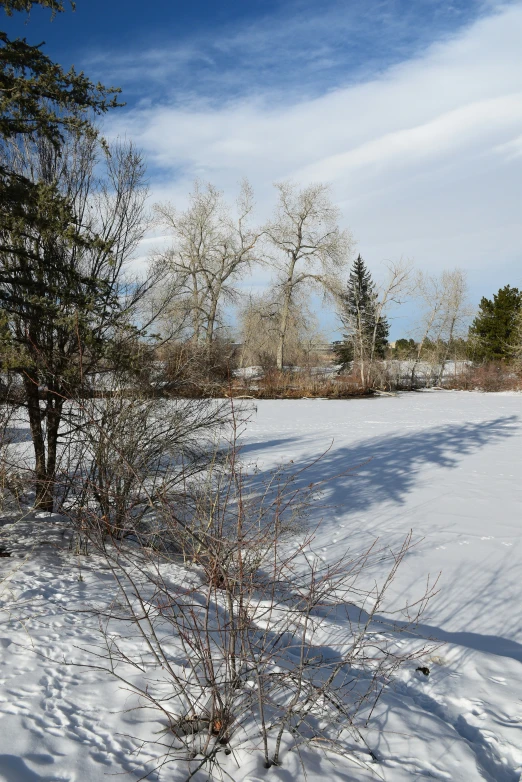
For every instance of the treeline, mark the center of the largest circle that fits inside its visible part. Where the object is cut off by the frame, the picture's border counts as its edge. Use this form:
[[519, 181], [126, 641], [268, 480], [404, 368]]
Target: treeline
[[206, 268]]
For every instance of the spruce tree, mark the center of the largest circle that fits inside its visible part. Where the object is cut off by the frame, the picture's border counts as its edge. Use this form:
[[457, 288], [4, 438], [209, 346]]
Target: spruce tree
[[494, 334], [367, 330]]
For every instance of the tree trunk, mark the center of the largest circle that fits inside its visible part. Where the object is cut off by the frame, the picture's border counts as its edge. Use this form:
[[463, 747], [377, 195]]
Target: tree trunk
[[211, 321], [43, 492], [45, 445], [446, 353], [282, 329], [54, 417]]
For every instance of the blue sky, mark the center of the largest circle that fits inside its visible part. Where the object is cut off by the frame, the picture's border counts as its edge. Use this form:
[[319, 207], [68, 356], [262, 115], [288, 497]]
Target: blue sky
[[410, 109], [171, 50]]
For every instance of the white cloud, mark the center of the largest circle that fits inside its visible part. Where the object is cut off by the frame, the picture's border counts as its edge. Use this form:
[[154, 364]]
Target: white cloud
[[424, 160]]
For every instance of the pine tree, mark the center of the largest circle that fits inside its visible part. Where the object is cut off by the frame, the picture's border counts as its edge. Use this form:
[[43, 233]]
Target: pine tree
[[367, 330], [494, 332], [39, 101], [51, 298]]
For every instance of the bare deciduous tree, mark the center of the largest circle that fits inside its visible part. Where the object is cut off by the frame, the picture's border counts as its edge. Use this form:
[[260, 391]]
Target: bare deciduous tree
[[446, 311], [396, 286], [211, 251], [259, 321], [306, 245]]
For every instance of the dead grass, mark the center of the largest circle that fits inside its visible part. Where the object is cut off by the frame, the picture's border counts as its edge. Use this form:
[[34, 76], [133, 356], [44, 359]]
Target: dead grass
[[299, 385]]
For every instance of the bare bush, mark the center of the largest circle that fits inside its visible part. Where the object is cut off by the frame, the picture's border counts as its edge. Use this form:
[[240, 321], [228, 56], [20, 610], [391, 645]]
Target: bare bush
[[128, 454], [15, 479], [489, 377], [239, 650], [298, 383], [195, 370]]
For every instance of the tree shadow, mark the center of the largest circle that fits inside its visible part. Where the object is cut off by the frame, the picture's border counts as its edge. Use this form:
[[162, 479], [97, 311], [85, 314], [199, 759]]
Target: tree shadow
[[358, 617], [266, 444], [14, 769], [384, 469]]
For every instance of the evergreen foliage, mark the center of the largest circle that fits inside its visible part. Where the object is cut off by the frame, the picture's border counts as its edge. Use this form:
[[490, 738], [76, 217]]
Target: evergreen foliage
[[63, 301], [405, 349], [61, 255], [494, 333], [39, 100], [367, 330]]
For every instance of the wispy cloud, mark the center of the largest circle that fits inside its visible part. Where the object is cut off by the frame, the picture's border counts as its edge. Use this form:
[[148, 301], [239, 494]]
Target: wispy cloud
[[424, 157], [304, 49]]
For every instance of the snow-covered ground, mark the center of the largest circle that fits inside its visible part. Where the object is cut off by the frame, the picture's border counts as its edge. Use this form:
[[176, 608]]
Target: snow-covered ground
[[446, 465]]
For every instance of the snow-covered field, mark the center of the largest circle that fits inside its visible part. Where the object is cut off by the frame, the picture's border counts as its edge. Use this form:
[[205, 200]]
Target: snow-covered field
[[446, 465]]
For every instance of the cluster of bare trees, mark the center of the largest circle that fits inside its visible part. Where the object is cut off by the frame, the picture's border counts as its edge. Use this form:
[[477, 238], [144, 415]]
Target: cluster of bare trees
[[214, 248], [74, 317]]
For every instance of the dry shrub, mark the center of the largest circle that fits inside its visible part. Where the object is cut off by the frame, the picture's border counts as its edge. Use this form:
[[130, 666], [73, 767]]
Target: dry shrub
[[196, 371], [237, 646], [300, 385], [127, 455], [15, 480], [493, 376]]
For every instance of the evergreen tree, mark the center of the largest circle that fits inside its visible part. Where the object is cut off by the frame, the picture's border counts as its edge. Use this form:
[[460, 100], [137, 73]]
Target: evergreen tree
[[367, 330], [494, 332], [39, 100], [60, 255], [405, 349]]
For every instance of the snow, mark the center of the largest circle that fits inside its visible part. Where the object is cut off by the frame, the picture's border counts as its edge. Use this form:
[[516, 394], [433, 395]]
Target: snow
[[444, 464]]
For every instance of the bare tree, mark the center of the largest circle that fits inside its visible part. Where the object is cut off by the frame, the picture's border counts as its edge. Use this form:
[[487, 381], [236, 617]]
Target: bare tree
[[307, 247], [259, 321], [456, 315], [396, 286], [444, 299], [211, 251]]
